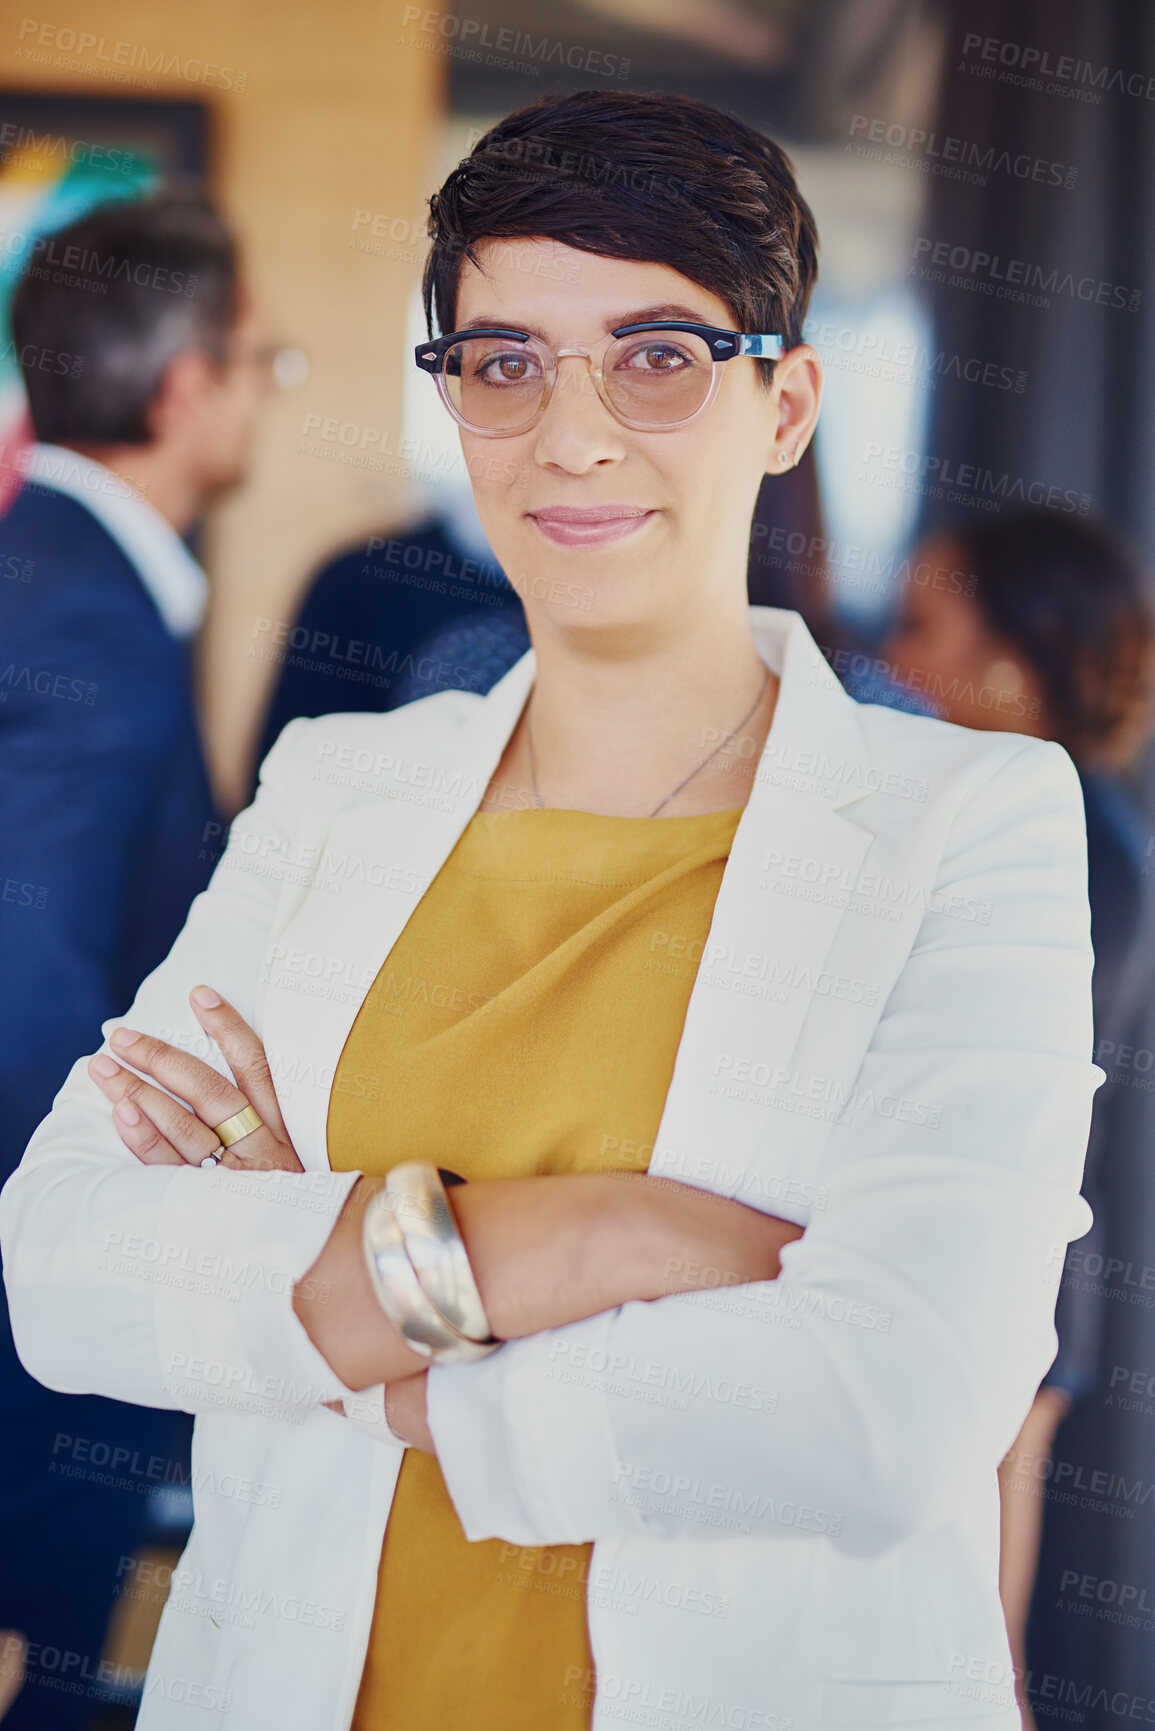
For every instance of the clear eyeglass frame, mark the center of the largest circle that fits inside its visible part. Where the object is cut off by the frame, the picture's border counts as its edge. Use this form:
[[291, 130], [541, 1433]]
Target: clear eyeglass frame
[[722, 345]]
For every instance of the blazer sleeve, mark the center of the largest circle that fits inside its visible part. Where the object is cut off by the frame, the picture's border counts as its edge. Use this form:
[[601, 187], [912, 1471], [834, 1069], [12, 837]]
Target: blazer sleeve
[[870, 1389], [172, 1286]]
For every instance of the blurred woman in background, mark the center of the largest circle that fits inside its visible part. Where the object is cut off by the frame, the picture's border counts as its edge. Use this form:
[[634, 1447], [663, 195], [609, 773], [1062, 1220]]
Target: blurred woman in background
[[1052, 634]]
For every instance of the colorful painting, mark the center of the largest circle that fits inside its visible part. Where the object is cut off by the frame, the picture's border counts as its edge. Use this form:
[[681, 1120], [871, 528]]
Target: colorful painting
[[60, 156]]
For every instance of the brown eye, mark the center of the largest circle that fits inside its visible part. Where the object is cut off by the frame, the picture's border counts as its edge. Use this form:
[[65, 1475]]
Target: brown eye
[[506, 368], [661, 358], [654, 357]]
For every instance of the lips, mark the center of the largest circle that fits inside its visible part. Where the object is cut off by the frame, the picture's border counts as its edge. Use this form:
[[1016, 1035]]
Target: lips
[[591, 525]]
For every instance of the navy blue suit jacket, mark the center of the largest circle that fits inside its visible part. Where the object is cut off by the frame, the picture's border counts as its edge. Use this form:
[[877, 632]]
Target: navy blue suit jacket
[[107, 832], [105, 809], [354, 642]]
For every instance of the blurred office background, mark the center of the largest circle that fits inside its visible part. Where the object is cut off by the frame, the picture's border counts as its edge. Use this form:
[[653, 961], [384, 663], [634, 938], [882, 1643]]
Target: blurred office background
[[983, 176]]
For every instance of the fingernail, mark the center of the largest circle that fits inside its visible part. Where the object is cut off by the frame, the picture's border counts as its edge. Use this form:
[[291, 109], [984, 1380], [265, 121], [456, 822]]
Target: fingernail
[[206, 998], [124, 1037], [104, 1066], [126, 1112]]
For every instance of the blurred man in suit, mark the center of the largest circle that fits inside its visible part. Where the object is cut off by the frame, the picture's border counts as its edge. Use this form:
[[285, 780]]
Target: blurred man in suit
[[105, 806]]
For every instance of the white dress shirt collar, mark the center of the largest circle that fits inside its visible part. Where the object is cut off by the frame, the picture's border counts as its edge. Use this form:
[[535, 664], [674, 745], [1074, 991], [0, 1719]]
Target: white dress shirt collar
[[170, 574]]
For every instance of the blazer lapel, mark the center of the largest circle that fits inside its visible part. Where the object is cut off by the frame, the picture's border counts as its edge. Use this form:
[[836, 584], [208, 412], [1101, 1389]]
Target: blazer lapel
[[794, 862], [372, 864]]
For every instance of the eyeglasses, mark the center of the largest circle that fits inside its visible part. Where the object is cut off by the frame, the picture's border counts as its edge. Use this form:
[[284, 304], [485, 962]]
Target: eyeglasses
[[652, 377], [276, 363]]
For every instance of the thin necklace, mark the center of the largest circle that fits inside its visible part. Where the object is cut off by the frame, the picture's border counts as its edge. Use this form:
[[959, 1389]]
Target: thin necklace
[[717, 752]]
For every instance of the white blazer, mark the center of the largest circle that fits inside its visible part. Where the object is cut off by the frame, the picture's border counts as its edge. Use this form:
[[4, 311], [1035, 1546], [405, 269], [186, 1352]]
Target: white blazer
[[791, 1484]]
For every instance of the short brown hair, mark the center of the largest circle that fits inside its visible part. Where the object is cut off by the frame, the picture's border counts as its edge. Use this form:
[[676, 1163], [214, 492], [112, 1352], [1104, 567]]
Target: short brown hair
[[657, 178]]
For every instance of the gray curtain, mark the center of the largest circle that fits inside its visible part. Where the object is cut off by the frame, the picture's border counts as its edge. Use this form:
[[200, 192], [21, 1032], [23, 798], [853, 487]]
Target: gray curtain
[[1084, 425], [1085, 421]]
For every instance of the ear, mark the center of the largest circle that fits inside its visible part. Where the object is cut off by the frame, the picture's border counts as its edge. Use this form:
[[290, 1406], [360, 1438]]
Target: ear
[[184, 386], [797, 389], [1007, 674]]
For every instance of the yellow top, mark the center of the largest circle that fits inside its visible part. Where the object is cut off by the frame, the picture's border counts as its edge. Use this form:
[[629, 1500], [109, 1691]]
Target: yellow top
[[526, 1021]]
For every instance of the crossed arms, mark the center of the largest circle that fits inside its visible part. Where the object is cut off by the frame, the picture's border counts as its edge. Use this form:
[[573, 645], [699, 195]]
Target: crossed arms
[[957, 1236]]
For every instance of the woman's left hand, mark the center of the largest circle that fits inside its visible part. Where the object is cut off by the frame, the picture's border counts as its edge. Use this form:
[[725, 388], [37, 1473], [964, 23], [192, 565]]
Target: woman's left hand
[[161, 1131]]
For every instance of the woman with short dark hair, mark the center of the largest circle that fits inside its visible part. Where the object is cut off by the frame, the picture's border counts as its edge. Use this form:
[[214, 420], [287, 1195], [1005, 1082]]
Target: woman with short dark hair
[[686, 1406], [1051, 633], [1048, 629]]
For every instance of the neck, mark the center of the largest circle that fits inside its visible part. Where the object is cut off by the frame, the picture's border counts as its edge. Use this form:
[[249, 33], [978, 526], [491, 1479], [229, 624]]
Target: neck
[[617, 732], [154, 471]]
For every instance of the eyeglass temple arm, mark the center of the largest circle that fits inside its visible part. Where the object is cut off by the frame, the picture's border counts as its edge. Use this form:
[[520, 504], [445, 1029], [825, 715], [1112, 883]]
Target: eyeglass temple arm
[[763, 348]]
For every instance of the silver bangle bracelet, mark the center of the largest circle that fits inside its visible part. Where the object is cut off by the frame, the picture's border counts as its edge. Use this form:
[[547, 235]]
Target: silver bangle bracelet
[[436, 1250], [401, 1295]]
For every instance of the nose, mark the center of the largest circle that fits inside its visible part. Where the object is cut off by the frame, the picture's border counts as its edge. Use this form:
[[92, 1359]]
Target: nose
[[577, 431]]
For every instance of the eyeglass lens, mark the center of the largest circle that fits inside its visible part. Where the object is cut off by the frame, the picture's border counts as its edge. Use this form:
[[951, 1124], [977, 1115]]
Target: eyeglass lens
[[652, 378]]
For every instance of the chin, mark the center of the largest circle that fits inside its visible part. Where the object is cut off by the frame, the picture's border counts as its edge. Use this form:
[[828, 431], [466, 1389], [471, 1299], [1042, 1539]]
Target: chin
[[589, 608], [588, 590]]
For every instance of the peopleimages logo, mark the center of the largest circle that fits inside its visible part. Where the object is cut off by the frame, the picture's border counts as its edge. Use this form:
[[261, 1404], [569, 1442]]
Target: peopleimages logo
[[942, 477], [38, 145], [467, 39], [117, 58], [879, 355], [1013, 278], [1067, 75], [957, 158]]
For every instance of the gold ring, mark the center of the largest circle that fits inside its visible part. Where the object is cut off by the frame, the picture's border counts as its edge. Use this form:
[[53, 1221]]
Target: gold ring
[[236, 1128]]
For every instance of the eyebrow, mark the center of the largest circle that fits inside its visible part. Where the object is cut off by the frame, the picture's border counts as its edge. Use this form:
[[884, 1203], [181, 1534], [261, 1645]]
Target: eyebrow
[[644, 316]]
